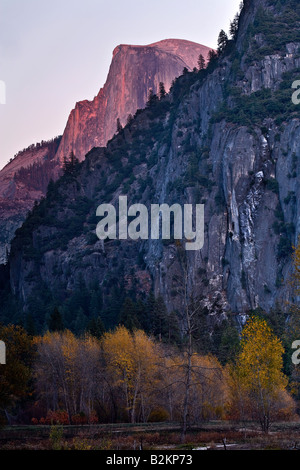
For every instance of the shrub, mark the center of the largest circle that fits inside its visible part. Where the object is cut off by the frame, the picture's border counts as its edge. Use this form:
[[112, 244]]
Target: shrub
[[158, 415], [93, 418], [55, 437], [79, 418], [56, 418], [80, 444]]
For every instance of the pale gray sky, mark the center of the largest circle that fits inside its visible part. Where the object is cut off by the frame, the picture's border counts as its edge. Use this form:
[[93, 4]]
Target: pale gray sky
[[55, 53]]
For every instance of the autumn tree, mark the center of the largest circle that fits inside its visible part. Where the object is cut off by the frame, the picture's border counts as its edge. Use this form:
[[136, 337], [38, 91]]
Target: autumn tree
[[257, 379], [207, 391], [190, 310], [67, 372], [15, 375], [131, 362]]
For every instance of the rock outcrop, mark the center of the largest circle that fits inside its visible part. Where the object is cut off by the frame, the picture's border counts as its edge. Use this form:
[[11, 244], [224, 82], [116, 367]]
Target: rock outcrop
[[133, 72]]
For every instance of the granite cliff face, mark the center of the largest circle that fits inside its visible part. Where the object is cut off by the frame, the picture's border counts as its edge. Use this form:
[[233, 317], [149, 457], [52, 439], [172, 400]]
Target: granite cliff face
[[133, 71], [23, 181], [227, 137]]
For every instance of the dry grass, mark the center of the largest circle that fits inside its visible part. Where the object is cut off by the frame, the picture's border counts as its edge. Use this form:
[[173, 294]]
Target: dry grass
[[284, 437]]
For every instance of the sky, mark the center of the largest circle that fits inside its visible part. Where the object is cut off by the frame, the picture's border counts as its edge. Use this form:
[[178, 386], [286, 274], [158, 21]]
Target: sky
[[56, 53]]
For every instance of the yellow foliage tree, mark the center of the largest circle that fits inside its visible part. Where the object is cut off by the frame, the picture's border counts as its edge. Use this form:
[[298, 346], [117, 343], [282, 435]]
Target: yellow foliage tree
[[257, 383], [132, 362], [67, 371]]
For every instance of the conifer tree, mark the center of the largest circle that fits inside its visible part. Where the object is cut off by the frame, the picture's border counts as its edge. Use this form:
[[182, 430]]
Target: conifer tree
[[201, 62], [234, 26], [162, 91], [128, 317], [96, 327], [152, 98], [119, 126], [70, 165], [129, 119], [56, 321], [212, 57], [222, 41]]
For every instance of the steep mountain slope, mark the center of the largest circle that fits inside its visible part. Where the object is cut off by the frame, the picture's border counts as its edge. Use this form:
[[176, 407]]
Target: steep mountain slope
[[134, 70], [227, 137], [23, 181]]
